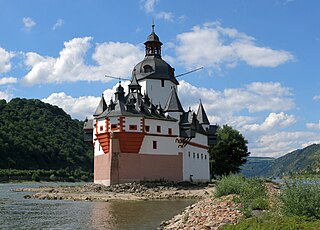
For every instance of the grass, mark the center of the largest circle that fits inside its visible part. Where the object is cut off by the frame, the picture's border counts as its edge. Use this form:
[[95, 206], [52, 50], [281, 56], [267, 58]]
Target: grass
[[252, 192], [298, 205], [301, 198]]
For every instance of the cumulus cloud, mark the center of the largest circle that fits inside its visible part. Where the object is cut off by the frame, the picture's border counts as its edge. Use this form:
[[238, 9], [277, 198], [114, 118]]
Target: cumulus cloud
[[112, 58], [7, 80], [84, 106], [5, 58], [168, 16], [215, 46], [28, 23], [58, 24], [79, 108], [5, 95], [148, 5], [233, 100], [280, 143], [313, 125], [274, 120]]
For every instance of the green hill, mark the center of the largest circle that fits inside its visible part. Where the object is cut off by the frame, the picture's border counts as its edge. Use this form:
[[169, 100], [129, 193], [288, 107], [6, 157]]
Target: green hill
[[306, 160], [301, 161], [37, 135], [256, 166]]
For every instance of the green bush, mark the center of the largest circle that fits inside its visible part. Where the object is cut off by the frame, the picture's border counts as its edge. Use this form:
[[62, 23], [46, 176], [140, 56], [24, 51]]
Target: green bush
[[231, 184], [301, 198], [268, 221], [36, 177], [252, 192]]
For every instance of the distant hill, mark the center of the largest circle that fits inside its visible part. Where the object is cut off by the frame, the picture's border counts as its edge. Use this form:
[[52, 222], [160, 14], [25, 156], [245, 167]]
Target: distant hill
[[37, 135], [306, 160], [256, 166]]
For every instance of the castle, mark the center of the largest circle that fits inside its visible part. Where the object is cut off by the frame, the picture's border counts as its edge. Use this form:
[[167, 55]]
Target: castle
[[145, 134]]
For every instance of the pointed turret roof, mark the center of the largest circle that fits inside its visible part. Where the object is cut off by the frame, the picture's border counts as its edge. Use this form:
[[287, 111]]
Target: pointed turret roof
[[202, 116], [173, 103], [134, 83], [101, 107]]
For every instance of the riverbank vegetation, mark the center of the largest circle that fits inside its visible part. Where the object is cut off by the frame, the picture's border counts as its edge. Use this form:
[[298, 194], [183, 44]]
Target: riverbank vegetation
[[294, 206], [14, 175]]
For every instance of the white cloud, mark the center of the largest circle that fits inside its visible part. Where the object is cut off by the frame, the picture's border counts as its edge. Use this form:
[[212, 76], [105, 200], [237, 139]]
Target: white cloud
[[316, 98], [28, 23], [280, 143], [58, 24], [168, 16], [233, 100], [5, 58], [84, 106], [148, 5], [313, 125], [7, 80], [79, 108], [273, 121], [112, 58], [214, 46], [5, 95]]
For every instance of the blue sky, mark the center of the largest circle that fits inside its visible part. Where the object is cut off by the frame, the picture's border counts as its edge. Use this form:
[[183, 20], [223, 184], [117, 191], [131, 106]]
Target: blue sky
[[261, 59]]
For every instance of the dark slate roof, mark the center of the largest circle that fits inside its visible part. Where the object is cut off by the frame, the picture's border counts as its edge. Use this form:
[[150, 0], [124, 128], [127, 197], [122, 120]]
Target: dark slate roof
[[153, 37], [173, 104], [202, 116], [101, 107], [134, 83], [153, 67]]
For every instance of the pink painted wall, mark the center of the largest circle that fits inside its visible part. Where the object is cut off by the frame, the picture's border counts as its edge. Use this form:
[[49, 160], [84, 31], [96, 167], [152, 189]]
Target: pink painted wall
[[102, 167]]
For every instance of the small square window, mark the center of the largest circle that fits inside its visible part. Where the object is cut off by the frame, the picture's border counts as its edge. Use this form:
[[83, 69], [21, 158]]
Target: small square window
[[132, 127], [158, 128], [170, 131], [147, 128], [114, 126], [101, 128], [154, 144]]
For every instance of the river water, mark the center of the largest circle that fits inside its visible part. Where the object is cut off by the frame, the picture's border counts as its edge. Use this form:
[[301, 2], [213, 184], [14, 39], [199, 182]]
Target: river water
[[19, 213]]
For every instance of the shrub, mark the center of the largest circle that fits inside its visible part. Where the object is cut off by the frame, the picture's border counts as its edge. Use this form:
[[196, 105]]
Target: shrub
[[301, 198], [252, 192], [231, 184], [35, 177]]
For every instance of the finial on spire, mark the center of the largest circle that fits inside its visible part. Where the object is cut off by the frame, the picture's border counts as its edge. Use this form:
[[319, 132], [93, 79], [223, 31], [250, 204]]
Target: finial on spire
[[152, 25]]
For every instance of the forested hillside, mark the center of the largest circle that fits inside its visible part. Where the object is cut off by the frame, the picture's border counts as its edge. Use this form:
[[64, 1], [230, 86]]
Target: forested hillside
[[304, 161], [37, 135]]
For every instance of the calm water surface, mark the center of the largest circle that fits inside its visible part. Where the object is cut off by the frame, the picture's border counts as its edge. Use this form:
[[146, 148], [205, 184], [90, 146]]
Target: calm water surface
[[19, 213]]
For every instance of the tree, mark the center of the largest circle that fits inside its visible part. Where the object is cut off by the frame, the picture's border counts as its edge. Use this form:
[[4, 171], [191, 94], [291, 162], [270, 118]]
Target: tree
[[229, 153]]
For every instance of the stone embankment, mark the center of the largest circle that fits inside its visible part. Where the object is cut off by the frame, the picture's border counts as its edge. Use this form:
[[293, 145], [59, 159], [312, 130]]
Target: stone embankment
[[208, 213], [127, 191]]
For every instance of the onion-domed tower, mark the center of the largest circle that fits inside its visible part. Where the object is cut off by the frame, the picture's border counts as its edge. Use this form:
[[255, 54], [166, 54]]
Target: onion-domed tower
[[155, 76]]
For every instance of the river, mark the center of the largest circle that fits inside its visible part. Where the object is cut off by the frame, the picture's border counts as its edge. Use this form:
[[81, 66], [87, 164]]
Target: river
[[19, 213]]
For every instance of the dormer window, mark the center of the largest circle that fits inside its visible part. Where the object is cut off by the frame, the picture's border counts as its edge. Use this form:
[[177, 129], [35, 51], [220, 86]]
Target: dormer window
[[147, 69]]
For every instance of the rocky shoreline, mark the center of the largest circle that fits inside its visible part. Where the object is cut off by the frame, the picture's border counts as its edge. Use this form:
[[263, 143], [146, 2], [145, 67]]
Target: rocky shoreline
[[208, 213], [127, 191]]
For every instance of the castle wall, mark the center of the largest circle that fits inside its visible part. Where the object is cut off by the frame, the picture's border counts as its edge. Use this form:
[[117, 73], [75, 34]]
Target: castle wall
[[134, 167], [156, 92], [102, 169]]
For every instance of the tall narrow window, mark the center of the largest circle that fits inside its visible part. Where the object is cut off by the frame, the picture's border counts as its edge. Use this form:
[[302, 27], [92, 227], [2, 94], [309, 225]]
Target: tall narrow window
[[154, 144], [147, 128], [158, 129], [170, 131]]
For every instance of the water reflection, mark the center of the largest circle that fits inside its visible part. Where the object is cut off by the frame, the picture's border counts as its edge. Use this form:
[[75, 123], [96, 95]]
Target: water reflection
[[19, 213]]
